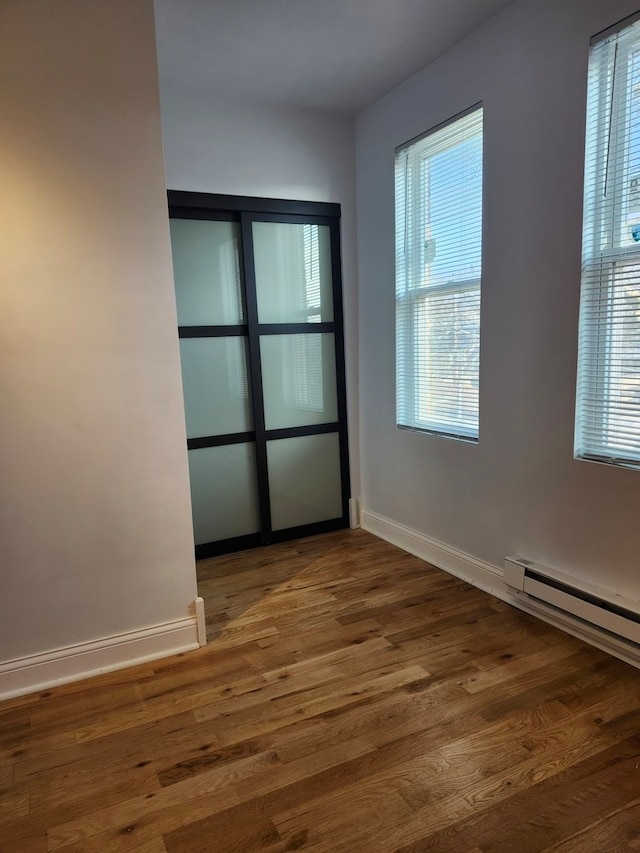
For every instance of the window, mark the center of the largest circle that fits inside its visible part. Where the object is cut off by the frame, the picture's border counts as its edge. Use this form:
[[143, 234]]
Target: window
[[438, 268], [608, 388]]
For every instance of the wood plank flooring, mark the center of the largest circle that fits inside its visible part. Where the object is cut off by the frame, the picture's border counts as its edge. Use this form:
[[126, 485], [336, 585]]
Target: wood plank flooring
[[351, 698]]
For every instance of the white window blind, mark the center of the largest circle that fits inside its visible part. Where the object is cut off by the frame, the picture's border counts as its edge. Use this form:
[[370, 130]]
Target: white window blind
[[438, 270], [608, 388]]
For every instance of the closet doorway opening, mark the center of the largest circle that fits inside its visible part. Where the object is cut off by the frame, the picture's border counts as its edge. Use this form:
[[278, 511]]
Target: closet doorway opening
[[259, 302]]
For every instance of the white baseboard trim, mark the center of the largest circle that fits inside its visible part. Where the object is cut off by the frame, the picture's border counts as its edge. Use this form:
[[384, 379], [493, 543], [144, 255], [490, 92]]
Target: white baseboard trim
[[201, 624], [476, 572], [489, 578], [354, 513], [61, 666]]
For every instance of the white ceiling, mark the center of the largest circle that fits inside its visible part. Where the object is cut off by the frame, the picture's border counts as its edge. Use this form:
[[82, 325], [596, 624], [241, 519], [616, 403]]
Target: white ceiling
[[330, 55]]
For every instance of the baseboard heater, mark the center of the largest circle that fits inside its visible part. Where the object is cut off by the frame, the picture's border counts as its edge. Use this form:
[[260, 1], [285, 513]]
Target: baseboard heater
[[604, 610]]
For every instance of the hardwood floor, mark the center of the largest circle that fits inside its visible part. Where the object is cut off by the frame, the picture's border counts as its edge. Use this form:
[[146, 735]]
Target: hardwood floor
[[351, 698]]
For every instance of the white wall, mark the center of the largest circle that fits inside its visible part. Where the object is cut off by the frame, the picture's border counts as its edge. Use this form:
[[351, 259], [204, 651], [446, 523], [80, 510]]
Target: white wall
[[95, 526], [255, 150], [519, 490]]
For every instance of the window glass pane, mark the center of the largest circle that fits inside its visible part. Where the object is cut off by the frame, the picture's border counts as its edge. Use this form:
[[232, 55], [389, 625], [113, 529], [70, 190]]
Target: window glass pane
[[299, 380], [631, 221], [293, 272], [206, 269], [304, 480], [224, 492], [608, 423], [214, 382], [621, 425], [453, 212], [447, 355]]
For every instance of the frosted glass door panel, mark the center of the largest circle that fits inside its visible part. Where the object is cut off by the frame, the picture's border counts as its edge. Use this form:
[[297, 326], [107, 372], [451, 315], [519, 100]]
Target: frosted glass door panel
[[304, 479], [206, 270], [293, 272], [214, 382], [299, 380], [224, 492]]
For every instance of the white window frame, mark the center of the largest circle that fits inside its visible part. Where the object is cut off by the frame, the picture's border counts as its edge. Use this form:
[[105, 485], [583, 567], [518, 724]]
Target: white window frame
[[411, 363], [599, 404]]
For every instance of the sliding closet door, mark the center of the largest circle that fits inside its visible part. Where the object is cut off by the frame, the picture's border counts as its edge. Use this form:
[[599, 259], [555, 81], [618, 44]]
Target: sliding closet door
[[297, 342], [213, 351], [260, 325]]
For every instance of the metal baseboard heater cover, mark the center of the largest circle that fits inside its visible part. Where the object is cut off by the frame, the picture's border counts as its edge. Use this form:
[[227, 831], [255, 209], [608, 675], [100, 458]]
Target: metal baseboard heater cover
[[598, 607]]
